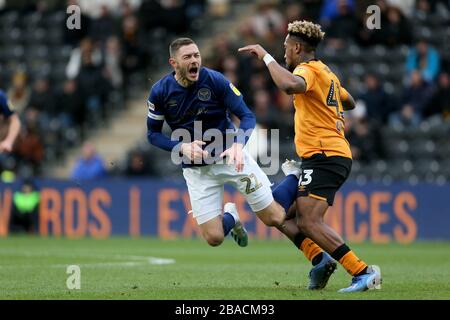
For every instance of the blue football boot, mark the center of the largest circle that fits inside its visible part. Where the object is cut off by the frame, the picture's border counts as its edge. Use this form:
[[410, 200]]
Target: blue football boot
[[370, 280], [321, 272]]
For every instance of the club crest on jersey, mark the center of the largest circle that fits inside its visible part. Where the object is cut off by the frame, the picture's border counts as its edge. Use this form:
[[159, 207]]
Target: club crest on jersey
[[235, 90], [204, 94], [151, 106]]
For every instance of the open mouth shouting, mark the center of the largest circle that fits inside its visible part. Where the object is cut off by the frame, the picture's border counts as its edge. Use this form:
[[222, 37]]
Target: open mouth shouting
[[193, 72]]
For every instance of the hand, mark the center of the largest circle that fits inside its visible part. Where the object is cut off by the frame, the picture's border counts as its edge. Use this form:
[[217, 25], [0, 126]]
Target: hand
[[256, 49], [6, 146], [194, 151], [235, 156]]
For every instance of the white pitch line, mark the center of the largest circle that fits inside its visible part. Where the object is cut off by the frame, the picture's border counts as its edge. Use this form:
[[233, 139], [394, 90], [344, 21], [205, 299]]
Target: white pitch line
[[144, 261], [159, 261]]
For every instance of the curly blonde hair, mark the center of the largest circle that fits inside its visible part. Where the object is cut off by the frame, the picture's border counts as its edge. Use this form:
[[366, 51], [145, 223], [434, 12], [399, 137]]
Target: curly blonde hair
[[307, 31]]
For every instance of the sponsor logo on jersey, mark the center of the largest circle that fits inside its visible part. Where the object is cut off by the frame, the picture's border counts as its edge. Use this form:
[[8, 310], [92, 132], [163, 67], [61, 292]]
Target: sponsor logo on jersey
[[204, 94], [235, 90], [171, 103], [151, 106], [299, 70]]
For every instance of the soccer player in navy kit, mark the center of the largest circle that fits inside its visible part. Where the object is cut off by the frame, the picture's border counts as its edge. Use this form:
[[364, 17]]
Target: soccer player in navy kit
[[8, 115], [195, 94]]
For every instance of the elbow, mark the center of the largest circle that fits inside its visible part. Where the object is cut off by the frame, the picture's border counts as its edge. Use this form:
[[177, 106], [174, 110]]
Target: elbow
[[286, 87], [349, 105], [349, 108], [289, 90], [292, 87]]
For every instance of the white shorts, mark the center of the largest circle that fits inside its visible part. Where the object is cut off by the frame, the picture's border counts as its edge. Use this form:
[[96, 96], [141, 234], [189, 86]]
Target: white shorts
[[205, 186]]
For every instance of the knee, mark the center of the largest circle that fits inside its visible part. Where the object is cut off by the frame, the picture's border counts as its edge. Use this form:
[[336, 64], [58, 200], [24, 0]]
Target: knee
[[273, 220], [213, 239]]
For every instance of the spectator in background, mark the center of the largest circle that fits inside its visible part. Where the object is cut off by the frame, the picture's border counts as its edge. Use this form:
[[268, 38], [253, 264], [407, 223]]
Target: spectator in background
[[363, 140], [25, 208], [42, 100], [85, 52], [71, 111], [425, 8], [440, 100], [294, 11], [113, 58], [425, 59], [396, 30], [133, 52], [285, 115], [342, 26], [19, 93], [406, 6], [93, 87], [264, 110], [330, 10], [29, 148], [415, 97], [267, 20], [312, 9], [103, 26], [137, 165], [378, 102], [168, 14], [90, 165], [222, 50]]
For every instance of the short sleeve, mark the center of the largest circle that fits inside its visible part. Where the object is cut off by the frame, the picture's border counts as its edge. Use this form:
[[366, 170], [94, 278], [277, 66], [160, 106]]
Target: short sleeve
[[155, 110], [343, 93], [307, 74]]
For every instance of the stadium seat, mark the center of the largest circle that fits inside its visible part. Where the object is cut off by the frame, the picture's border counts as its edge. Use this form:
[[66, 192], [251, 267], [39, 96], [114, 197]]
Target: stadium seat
[[423, 149], [56, 19], [426, 169], [10, 19], [12, 36], [33, 21], [37, 36], [54, 37]]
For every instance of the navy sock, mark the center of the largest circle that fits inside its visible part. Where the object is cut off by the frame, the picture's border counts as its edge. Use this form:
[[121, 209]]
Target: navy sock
[[286, 192], [316, 260], [228, 223]]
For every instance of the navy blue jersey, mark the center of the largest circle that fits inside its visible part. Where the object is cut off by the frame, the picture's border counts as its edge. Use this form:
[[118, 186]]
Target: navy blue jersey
[[5, 110], [210, 100]]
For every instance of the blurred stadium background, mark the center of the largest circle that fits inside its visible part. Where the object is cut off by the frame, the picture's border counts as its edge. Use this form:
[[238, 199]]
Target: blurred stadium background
[[82, 94]]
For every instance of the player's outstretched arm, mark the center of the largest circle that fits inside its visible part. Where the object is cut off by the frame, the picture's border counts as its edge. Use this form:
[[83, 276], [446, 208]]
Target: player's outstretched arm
[[14, 128], [283, 79]]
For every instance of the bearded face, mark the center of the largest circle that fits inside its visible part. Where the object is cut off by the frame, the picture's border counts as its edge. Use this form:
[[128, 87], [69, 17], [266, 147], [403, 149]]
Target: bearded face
[[187, 62]]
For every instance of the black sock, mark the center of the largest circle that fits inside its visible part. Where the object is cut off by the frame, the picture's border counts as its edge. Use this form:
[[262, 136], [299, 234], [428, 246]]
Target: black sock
[[364, 271], [299, 237], [317, 259], [340, 252]]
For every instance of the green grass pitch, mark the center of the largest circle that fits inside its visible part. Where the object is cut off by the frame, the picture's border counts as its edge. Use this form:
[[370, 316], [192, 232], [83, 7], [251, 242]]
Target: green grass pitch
[[123, 268]]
